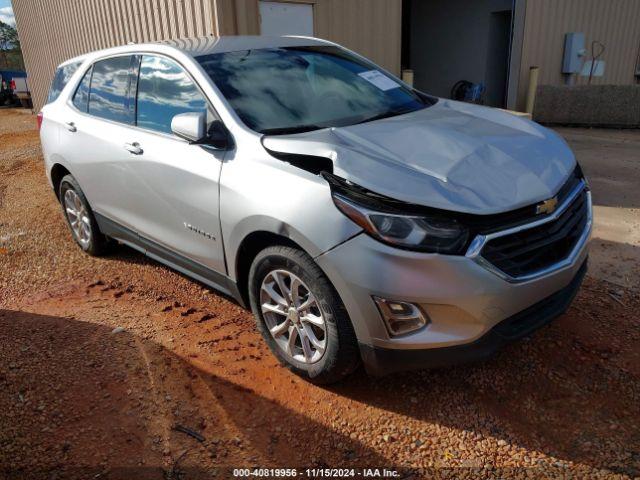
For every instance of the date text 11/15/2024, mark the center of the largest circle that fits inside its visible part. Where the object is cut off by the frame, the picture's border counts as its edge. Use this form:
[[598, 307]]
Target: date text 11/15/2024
[[315, 473]]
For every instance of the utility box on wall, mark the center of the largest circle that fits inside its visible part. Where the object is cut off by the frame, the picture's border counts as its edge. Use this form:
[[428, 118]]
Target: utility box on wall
[[573, 52]]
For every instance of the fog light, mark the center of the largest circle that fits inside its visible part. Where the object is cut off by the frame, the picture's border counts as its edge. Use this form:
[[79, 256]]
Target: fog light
[[401, 317]]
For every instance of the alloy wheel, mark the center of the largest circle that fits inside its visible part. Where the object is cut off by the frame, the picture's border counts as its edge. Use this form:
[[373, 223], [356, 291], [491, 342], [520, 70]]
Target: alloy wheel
[[78, 217], [293, 316]]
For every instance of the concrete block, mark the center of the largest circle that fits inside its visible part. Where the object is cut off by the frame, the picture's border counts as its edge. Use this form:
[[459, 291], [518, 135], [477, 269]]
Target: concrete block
[[588, 105]]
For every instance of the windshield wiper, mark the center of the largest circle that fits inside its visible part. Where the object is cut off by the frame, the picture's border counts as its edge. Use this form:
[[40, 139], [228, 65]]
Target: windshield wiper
[[290, 130], [310, 128], [380, 116]]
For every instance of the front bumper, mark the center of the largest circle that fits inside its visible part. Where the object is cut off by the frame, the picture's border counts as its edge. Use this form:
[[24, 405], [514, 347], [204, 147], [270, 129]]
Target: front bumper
[[383, 361], [468, 305]]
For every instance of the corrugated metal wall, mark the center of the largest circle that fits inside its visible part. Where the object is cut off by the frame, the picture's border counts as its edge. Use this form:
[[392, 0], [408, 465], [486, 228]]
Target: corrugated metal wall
[[615, 23], [52, 32], [370, 27]]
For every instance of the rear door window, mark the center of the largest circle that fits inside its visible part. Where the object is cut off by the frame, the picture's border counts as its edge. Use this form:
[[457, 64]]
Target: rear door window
[[109, 96], [164, 91], [60, 80], [81, 97]]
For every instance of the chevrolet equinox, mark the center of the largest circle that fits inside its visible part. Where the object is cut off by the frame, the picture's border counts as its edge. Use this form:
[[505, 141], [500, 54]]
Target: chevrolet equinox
[[361, 220]]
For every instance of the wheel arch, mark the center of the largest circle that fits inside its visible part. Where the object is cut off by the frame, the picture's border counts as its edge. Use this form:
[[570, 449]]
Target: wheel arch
[[250, 246], [57, 173], [254, 233]]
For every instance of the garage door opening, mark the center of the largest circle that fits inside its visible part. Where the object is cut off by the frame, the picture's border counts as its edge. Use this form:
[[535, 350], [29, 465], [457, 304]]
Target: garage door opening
[[448, 42], [281, 18]]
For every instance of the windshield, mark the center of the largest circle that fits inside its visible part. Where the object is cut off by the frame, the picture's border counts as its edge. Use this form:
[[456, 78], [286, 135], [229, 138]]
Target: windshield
[[298, 89]]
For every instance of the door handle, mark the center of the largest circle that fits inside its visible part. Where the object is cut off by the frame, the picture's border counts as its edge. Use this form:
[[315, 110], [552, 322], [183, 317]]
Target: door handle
[[71, 126], [133, 148]]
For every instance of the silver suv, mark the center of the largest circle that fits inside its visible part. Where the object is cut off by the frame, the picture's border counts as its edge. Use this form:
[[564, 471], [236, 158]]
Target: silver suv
[[361, 220]]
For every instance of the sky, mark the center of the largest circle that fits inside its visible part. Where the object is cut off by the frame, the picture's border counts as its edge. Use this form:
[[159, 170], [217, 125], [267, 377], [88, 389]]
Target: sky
[[6, 12]]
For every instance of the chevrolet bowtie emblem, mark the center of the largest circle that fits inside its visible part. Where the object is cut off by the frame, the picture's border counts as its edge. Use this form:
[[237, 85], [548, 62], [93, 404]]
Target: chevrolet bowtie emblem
[[547, 207]]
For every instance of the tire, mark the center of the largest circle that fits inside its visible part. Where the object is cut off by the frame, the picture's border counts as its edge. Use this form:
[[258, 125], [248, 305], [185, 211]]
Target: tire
[[340, 354], [87, 235]]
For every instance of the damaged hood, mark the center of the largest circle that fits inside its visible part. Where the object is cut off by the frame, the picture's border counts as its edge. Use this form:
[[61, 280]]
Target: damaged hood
[[452, 155]]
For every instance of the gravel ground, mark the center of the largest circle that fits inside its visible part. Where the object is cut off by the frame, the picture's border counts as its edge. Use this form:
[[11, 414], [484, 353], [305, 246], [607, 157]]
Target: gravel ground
[[104, 360]]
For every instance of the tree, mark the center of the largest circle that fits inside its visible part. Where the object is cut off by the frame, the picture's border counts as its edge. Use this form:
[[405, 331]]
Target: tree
[[10, 52]]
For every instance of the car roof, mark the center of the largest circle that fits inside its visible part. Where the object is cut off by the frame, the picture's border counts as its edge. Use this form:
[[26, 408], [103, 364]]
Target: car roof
[[197, 46]]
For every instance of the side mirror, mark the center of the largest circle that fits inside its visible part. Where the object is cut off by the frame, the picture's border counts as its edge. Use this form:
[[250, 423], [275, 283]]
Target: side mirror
[[191, 126], [218, 136]]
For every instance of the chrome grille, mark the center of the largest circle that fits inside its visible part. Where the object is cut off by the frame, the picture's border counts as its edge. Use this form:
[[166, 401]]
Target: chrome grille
[[533, 249]]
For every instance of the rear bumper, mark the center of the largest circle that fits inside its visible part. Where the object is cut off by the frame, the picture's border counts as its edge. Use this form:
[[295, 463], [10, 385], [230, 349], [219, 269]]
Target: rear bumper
[[382, 361]]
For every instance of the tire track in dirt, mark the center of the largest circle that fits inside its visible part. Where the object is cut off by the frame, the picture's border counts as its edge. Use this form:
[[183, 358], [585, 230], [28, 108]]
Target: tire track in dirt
[[162, 425]]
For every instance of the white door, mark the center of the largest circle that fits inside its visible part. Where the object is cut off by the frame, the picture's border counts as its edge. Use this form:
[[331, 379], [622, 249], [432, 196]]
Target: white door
[[282, 18]]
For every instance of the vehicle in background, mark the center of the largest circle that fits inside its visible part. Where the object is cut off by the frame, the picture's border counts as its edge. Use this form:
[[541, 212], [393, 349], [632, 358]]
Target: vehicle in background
[[21, 91], [362, 221], [14, 89]]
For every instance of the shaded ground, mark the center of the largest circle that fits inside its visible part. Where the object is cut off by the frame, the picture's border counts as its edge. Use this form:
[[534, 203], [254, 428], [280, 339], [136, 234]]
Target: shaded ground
[[82, 399]]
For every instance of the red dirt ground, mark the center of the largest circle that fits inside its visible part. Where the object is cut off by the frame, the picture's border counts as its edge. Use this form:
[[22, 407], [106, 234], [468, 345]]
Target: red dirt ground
[[80, 400]]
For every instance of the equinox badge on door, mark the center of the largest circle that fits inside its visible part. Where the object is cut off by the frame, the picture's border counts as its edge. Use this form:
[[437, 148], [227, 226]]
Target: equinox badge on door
[[198, 231]]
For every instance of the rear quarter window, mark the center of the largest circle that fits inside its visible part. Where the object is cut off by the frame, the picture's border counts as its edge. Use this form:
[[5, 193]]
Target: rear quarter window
[[60, 80], [81, 97]]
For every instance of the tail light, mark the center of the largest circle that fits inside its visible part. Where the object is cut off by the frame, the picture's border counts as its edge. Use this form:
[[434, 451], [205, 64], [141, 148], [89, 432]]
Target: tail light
[[39, 117], [12, 84]]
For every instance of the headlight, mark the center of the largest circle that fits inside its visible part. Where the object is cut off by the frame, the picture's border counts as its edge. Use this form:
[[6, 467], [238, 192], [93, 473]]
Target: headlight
[[424, 233]]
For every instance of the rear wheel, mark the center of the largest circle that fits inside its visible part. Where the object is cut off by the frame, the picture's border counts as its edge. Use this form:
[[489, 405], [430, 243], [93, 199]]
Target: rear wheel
[[80, 218], [301, 316]]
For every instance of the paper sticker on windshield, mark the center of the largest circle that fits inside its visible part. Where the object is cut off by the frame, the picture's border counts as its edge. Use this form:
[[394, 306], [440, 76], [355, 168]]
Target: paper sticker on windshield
[[381, 81]]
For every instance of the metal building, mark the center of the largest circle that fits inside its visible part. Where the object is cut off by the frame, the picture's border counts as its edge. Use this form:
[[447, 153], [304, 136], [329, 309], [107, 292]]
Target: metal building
[[493, 42], [615, 24], [51, 32]]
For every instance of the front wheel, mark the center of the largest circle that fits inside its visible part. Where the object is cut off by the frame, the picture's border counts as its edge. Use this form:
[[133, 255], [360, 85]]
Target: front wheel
[[301, 316]]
